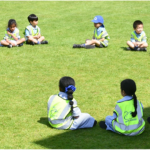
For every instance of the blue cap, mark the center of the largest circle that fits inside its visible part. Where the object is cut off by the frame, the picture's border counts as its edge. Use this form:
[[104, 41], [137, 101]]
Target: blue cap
[[98, 19]]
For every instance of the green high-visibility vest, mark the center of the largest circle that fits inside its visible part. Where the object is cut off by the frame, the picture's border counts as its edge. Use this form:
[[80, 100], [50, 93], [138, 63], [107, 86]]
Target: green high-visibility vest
[[98, 37], [10, 37], [135, 37], [125, 123], [30, 29], [59, 112]]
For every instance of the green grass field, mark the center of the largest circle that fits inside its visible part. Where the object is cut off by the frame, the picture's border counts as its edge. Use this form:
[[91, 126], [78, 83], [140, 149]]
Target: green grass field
[[30, 74]]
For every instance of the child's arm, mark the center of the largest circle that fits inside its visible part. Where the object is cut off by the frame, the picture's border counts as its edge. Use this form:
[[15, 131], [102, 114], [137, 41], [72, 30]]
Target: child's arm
[[76, 110], [15, 38], [101, 40], [7, 40], [37, 36]]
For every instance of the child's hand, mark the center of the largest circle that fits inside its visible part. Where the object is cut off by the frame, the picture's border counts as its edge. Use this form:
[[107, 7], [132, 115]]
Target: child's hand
[[135, 44], [75, 117], [9, 33], [37, 37]]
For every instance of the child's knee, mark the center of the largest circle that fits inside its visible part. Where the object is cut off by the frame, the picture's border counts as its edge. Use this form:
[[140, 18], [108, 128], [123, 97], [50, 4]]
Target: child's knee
[[42, 37], [128, 42], [23, 39], [30, 38], [87, 40]]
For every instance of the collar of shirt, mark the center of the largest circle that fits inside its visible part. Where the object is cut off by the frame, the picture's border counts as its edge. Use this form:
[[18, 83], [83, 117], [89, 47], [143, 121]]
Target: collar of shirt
[[10, 31], [125, 98], [33, 26], [100, 30], [63, 95], [138, 35]]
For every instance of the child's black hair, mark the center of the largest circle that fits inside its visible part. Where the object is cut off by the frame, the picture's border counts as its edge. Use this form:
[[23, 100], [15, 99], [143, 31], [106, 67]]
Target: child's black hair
[[65, 82], [136, 23], [129, 86], [32, 17], [12, 21]]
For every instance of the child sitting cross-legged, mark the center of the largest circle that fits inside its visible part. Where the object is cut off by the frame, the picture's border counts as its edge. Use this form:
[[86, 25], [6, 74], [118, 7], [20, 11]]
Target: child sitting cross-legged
[[32, 32], [127, 118], [63, 112], [12, 37], [138, 38]]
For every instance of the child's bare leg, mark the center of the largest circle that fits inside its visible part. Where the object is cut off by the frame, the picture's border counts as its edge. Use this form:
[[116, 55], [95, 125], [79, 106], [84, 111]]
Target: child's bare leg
[[31, 39], [20, 41], [130, 44], [143, 45], [41, 38], [3, 42], [92, 42]]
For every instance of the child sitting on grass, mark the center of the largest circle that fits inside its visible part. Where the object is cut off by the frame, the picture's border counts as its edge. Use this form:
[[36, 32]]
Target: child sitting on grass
[[33, 33], [63, 112], [138, 38], [127, 118], [12, 37], [100, 37]]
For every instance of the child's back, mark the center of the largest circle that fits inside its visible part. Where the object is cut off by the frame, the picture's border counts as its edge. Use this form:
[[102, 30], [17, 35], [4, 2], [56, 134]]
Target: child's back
[[63, 112], [127, 118]]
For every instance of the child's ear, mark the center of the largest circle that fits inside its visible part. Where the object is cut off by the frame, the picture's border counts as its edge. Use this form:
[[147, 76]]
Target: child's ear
[[60, 89], [124, 93]]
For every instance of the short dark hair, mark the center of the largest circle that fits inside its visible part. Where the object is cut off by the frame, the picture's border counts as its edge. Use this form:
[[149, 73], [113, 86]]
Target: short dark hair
[[12, 21], [136, 23], [129, 86], [32, 17]]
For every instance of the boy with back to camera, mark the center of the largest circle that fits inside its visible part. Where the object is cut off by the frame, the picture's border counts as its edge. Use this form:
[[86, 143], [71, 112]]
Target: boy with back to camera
[[32, 32], [138, 38], [100, 37]]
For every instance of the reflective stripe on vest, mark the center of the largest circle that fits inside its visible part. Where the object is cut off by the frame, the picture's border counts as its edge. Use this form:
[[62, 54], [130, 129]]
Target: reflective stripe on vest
[[104, 33], [135, 37], [125, 123], [30, 29], [59, 115]]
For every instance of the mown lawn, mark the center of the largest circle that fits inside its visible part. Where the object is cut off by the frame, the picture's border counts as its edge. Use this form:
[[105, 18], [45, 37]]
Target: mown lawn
[[30, 74]]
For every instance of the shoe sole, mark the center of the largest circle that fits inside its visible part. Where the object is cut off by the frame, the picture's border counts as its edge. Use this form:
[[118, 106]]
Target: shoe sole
[[89, 46]]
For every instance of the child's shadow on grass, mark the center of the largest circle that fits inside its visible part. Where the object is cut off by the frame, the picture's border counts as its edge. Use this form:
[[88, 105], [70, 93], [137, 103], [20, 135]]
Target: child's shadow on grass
[[44, 120], [94, 138], [125, 49]]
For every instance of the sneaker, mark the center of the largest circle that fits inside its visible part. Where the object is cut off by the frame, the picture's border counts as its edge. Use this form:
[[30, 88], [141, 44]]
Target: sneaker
[[142, 49], [31, 43], [77, 46], [9, 46], [129, 49], [102, 124], [21, 44], [138, 49], [95, 122], [44, 42], [148, 119], [89, 46]]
